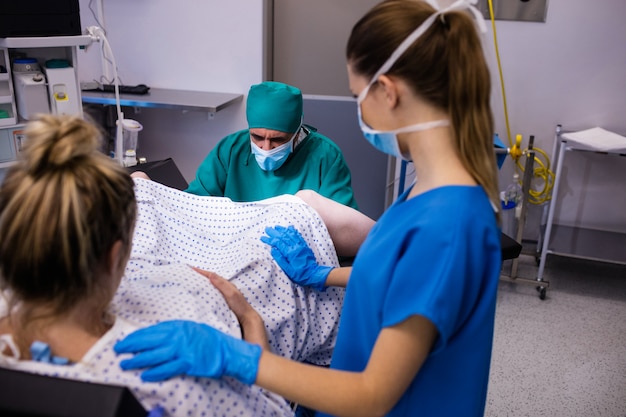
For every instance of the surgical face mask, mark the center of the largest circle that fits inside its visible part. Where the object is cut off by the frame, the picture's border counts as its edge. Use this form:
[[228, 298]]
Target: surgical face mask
[[387, 141], [274, 158]]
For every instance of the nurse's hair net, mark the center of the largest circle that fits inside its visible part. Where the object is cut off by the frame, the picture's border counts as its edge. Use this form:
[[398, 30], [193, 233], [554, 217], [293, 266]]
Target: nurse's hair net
[[276, 106]]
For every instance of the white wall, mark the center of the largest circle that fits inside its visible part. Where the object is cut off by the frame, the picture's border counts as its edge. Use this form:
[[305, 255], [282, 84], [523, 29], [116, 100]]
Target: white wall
[[205, 45], [569, 70]]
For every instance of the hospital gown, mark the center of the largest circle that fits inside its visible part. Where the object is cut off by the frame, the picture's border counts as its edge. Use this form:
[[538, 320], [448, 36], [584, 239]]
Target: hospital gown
[[219, 235], [175, 230]]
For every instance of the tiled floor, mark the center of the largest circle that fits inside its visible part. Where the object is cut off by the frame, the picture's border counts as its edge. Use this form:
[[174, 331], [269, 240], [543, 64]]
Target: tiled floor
[[564, 356]]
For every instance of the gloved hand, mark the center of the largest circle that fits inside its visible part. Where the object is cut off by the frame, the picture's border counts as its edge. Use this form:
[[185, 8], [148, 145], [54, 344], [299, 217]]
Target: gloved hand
[[295, 257], [172, 348]]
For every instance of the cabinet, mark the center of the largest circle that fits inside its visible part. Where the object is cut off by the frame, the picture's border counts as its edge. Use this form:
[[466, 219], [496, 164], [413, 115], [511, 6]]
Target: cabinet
[[43, 49], [581, 242]]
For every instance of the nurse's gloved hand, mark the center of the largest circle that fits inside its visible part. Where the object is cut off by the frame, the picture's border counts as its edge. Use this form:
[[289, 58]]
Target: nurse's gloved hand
[[172, 348], [295, 257]]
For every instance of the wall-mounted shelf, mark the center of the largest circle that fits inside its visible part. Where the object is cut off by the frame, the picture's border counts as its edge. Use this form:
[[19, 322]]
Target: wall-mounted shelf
[[46, 41], [168, 99]]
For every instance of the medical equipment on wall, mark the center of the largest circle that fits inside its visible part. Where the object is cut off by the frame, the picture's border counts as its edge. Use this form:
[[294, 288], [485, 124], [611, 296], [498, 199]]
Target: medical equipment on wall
[[30, 88], [62, 90]]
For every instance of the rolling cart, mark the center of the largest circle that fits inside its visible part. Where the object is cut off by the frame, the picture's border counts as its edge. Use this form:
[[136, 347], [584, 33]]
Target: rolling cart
[[573, 241]]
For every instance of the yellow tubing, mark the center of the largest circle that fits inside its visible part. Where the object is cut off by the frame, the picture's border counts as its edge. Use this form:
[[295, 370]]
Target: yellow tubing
[[542, 170]]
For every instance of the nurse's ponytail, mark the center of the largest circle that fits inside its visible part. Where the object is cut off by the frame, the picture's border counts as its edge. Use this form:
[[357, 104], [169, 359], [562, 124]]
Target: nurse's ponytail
[[445, 66], [469, 95]]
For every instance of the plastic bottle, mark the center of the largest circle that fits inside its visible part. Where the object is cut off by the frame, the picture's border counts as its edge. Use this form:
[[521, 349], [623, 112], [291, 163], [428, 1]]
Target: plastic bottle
[[514, 193], [511, 206]]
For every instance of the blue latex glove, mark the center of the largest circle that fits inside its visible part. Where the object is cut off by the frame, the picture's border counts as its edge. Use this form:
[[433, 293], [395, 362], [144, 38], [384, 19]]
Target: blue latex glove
[[295, 257], [172, 348]]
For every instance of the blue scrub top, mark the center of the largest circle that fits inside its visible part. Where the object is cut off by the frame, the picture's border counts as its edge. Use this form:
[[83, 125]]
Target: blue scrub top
[[436, 255]]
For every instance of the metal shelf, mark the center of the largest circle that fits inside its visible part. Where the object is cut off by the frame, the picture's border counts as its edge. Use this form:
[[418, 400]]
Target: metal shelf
[[582, 243], [168, 99], [46, 41]]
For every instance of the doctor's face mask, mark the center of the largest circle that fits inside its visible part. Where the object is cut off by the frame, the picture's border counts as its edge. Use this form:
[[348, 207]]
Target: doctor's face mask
[[274, 158], [387, 141]]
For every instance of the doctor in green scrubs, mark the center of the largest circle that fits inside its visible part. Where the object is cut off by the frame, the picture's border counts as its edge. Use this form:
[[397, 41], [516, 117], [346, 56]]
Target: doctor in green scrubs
[[277, 154]]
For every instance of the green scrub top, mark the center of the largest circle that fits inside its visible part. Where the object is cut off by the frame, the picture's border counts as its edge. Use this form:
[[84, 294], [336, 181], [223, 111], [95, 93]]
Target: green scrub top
[[230, 170]]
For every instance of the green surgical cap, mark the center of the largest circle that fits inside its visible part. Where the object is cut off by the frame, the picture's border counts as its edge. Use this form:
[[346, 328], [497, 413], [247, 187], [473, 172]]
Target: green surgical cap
[[273, 105]]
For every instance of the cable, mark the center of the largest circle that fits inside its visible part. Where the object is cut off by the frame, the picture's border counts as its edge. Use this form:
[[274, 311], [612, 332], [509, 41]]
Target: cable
[[98, 34], [94, 14], [99, 18], [495, 43], [542, 171]]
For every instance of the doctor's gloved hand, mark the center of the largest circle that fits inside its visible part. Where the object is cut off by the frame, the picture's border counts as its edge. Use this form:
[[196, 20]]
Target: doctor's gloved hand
[[172, 348], [295, 257]]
